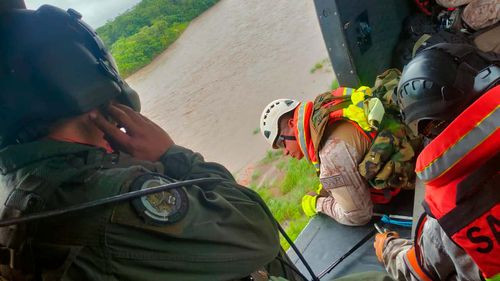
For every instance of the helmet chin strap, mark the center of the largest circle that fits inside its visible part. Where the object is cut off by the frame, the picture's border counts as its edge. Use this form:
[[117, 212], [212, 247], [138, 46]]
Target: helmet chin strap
[[433, 128]]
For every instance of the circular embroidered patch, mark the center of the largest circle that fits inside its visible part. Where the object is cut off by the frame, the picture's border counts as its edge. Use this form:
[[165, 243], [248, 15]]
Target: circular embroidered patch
[[160, 208]]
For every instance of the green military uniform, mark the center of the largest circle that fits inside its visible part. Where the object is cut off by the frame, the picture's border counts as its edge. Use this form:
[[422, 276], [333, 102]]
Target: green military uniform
[[219, 231], [363, 276], [390, 161]]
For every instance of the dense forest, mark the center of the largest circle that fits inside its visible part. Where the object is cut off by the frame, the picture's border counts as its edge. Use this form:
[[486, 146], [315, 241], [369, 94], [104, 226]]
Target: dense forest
[[140, 34]]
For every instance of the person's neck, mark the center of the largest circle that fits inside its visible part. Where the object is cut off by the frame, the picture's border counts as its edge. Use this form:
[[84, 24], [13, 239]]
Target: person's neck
[[69, 132]]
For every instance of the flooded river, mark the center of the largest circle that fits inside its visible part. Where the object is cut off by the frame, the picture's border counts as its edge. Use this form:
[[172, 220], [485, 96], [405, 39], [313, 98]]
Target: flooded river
[[209, 88]]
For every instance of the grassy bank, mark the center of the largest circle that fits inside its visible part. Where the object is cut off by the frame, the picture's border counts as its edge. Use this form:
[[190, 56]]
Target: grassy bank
[[282, 182]]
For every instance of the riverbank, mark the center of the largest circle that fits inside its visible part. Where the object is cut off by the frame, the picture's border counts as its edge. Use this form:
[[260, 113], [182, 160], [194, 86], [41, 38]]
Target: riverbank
[[209, 87]]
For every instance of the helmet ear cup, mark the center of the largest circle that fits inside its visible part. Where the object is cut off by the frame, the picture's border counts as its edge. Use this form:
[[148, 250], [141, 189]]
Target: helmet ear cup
[[487, 79], [130, 97], [440, 82]]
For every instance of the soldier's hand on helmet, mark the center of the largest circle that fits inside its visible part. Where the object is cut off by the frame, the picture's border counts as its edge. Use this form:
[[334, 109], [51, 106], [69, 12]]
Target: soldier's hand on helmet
[[142, 138]]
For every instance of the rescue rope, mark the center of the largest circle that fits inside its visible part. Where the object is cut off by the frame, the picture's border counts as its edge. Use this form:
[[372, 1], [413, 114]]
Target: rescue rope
[[296, 250], [359, 244], [105, 201]]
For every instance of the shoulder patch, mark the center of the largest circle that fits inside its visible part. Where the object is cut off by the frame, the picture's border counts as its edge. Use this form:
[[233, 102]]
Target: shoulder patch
[[160, 208]]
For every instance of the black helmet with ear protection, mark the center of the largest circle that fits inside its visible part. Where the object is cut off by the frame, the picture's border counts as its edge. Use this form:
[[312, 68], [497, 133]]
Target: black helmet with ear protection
[[52, 66], [443, 80]]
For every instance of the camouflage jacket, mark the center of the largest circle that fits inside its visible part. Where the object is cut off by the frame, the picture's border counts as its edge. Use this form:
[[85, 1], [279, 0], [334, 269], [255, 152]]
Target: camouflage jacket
[[223, 232], [390, 161]]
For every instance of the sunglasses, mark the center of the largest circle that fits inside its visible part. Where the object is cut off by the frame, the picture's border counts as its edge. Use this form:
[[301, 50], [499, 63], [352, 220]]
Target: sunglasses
[[280, 142]]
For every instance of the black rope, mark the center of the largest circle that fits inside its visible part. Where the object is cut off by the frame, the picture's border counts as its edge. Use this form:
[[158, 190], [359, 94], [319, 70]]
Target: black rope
[[139, 193], [296, 250], [105, 201], [359, 244], [292, 267]]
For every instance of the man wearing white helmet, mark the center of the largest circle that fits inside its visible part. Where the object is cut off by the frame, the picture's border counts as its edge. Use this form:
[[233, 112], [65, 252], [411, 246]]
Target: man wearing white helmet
[[354, 145], [344, 196]]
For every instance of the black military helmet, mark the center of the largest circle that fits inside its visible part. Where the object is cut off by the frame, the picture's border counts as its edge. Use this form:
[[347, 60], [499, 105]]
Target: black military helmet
[[441, 81], [52, 66]]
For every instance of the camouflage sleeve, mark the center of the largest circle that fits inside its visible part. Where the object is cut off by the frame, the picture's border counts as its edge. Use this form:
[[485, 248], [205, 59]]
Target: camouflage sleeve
[[349, 201], [481, 13], [394, 259], [182, 164], [227, 231], [440, 257]]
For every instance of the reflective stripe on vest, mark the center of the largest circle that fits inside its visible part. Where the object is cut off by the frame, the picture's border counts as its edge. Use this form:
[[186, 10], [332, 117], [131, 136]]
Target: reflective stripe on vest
[[472, 135], [472, 139], [340, 104], [462, 170], [302, 118], [412, 257], [301, 130], [356, 111]]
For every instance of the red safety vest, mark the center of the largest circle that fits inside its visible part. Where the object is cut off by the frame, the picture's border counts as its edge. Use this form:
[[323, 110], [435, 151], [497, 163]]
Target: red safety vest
[[310, 135], [461, 169], [311, 121]]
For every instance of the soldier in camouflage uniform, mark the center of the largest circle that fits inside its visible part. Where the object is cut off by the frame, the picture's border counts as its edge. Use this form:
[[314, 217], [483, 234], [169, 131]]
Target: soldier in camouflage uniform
[[355, 143], [389, 163], [62, 144]]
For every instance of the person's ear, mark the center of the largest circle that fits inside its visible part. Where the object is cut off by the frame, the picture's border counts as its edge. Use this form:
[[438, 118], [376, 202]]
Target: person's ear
[[290, 123]]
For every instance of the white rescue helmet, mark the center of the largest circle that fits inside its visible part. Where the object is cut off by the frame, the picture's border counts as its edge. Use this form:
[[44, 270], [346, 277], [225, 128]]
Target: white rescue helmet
[[269, 120]]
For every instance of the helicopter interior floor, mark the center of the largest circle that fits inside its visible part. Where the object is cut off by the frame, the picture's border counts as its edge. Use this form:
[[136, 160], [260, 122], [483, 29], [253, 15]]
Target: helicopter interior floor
[[323, 241]]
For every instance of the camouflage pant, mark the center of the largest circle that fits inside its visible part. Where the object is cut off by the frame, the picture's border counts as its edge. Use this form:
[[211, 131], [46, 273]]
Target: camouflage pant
[[477, 14], [390, 161]]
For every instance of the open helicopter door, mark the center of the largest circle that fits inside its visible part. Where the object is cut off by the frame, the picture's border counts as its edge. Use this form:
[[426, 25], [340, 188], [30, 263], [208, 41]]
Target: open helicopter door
[[360, 36]]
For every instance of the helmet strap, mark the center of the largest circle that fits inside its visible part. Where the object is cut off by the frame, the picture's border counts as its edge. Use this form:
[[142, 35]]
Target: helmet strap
[[433, 128]]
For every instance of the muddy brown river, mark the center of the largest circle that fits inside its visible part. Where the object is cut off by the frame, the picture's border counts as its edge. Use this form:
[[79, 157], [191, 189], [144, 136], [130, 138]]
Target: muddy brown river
[[209, 88]]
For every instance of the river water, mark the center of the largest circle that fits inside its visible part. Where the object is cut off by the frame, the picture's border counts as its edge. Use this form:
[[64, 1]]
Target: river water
[[209, 88]]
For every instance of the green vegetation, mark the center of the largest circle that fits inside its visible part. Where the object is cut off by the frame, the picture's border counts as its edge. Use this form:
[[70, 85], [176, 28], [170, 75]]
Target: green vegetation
[[256, 131], [136, 51], [291, 179], [271, 156], [317, 66], [137, 36], [335, 84], [323, 64]]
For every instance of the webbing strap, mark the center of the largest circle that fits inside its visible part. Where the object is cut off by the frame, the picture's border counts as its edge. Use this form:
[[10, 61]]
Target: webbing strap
[[419, 43], [301, 130], [411, 257]]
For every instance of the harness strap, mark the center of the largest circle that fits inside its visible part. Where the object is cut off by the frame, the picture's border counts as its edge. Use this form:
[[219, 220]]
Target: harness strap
[[413, 258], [414, 264], [421, 41]]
